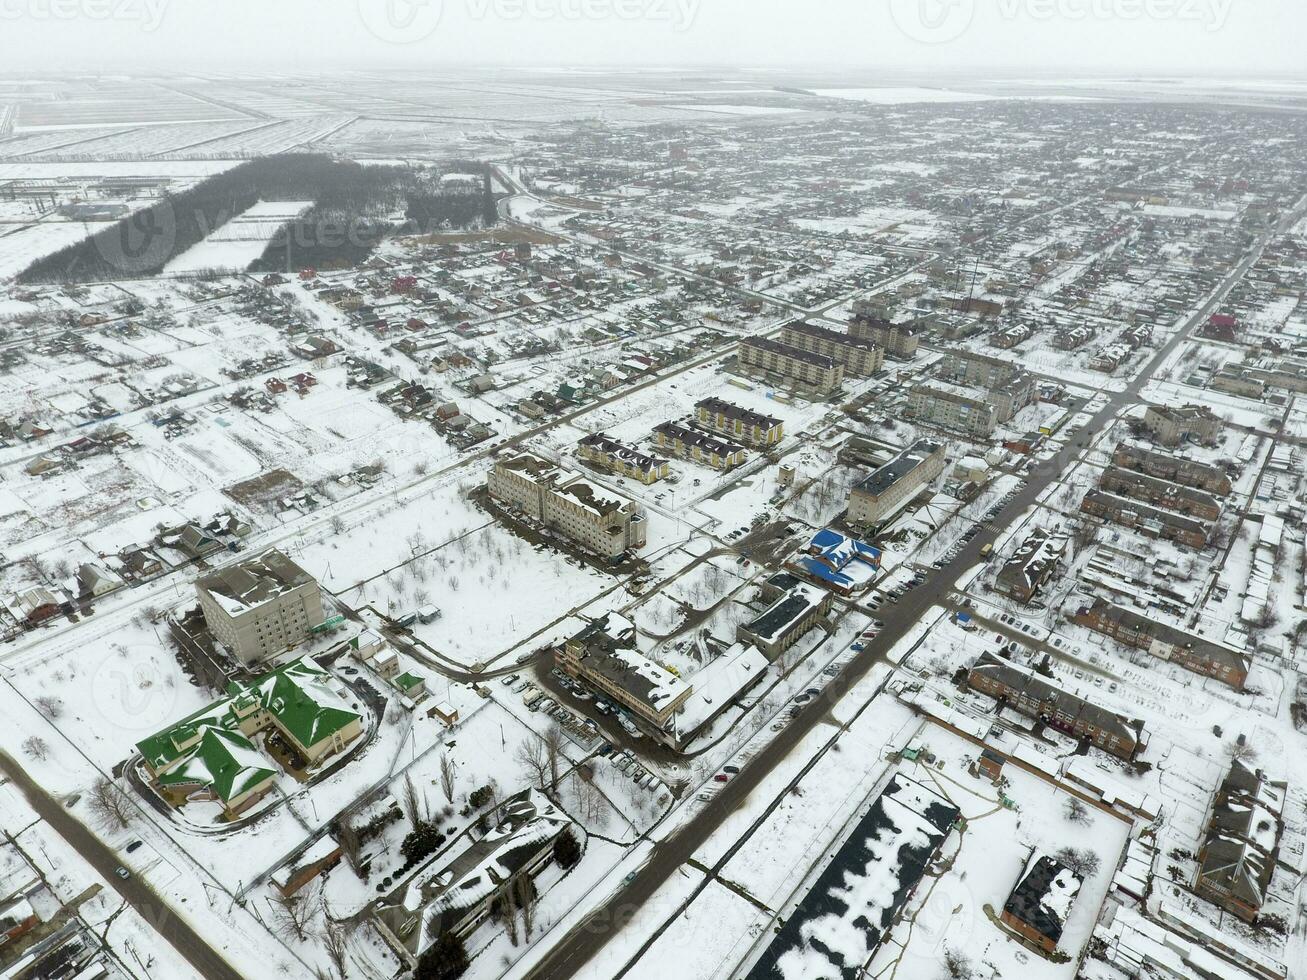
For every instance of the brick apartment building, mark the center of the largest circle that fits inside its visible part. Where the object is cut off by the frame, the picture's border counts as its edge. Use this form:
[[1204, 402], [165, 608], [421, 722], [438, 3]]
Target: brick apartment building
[[789, 366], [1189, 501], [861, 358], [1177, 469], [1202, 656], [1149, 521], [738, 424]]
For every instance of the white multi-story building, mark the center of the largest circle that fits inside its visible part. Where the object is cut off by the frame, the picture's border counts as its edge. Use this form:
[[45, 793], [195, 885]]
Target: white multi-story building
[[599, 520], [261, 606]]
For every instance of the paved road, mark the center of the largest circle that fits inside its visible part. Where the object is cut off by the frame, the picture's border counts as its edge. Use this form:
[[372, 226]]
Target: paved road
[[569, 957], [157, 913]]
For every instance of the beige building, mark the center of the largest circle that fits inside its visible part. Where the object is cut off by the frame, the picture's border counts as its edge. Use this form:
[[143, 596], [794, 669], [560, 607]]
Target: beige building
[[597, 519], [860, 357], [886, 489], [739, 424], [604, 656], [951, 406], [1190, 423], [261, 606], [898, 340], [789, 366], [700, 447], [612, 455]]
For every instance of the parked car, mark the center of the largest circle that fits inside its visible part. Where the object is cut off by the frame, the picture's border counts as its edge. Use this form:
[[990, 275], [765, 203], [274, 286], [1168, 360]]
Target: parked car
[[733, 770], [721, 777]]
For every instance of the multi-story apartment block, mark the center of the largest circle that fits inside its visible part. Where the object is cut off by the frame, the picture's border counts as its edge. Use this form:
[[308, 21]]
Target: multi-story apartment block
[[1011, 388], [884, 491], [861, 358], [1189, 423], [1189, 501], [1150, 521], [1196, 653], [738, 424], [597, 519], [958, 407], [790, 366], [607, 452], [699, 447], [1031, 695], [899, 340], [1189, 472], [261, 606], [604, 656], [1241, 843], [1031, 565]]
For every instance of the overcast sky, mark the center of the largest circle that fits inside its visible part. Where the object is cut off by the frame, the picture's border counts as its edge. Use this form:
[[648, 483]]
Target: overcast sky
[[1225, 38]]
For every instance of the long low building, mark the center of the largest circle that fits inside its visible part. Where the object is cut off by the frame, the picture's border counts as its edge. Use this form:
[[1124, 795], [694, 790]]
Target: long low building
[[1177, 469], [602, 450], [782, 623], [1148, 520], [860, 357], [738, 424], [790, 366], [884, 491], [597, 519], [603, 655], [1190, 501], [1031, 695], [1202, 656], [699, 447]]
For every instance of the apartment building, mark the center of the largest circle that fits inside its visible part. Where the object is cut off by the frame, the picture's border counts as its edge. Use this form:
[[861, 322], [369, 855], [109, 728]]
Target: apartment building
[[961, 408], [699, 447], [789, 366], [884, 491], [603, 655], [599, 520], [898, 340], [1241, 842], [1033, 696], [738, 424], [1011, 388], [1188, 423], [861, 358], [1031, 565], [261, 606], [1191, 502], [1177, 469], [1150, 521], [602, 450], [1196, 653]]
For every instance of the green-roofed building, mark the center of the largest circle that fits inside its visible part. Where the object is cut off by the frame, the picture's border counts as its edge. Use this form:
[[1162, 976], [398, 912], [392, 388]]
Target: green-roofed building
[[223, 765], [211, 750], [413, 685]]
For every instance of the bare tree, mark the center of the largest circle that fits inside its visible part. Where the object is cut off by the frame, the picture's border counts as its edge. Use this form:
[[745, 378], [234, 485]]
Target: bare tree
[[1076, 811], [36, 747], [447, 773], [292, 915], [531, 756], [335, 938], [414, 804], [109, 804], [553, 743], [526, 898], [50, 705]]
